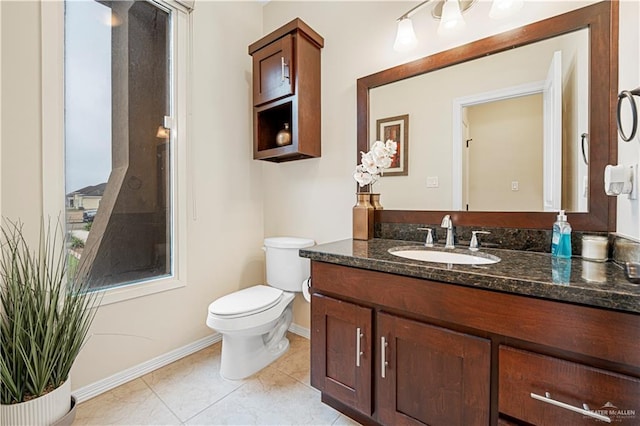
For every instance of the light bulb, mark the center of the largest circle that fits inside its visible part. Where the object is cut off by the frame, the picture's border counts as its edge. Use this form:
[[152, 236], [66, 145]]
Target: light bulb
[[451, 18], [503, 8], [405, 37]]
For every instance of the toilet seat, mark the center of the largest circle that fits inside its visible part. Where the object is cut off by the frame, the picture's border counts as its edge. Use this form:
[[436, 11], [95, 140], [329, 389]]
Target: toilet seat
[[245, 302], [250, 322]]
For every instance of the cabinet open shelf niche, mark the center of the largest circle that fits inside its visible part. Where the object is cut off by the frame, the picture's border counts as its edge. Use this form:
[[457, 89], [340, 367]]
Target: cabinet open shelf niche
[[286, 89]]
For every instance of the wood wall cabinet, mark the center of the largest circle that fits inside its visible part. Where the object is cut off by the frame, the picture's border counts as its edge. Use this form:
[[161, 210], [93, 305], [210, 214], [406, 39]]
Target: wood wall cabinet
[[286, 90], [390, 350]]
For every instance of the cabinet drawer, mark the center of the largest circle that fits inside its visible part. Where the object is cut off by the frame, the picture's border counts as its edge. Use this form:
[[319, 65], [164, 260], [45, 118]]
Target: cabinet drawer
[[542, 390]]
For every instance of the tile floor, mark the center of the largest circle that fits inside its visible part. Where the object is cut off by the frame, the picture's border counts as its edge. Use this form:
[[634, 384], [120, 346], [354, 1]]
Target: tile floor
[[191, 392]]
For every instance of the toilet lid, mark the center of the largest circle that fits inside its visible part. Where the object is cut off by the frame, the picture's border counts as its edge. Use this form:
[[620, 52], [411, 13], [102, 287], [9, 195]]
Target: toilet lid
[[247, 301]]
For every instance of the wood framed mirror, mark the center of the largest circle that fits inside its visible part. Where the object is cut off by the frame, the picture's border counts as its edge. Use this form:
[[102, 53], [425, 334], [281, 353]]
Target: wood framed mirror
[[601, 20]]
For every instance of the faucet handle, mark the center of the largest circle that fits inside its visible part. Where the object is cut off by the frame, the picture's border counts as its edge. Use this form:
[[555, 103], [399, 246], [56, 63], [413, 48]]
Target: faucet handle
[[429, 241], [474, 245]]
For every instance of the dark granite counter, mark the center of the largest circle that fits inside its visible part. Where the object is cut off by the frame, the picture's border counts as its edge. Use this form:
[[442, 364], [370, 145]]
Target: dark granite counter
[[602, 285]]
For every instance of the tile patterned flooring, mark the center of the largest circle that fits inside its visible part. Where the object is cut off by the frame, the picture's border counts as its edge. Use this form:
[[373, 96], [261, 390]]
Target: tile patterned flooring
[[190, 391]]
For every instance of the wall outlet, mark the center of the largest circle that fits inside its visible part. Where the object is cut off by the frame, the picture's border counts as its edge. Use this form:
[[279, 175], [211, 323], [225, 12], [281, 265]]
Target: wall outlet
[[515, 185], [432, 182]]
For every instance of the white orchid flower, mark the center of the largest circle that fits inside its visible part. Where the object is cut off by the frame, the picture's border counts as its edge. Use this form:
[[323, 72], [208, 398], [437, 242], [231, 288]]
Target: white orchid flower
[[391, 146], [383, 162], [369, 163], [374, 162], [380, 155], [363, 178]]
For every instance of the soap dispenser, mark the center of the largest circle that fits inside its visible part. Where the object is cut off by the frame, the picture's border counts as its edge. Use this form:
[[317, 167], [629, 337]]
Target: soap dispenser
[[561, 237]]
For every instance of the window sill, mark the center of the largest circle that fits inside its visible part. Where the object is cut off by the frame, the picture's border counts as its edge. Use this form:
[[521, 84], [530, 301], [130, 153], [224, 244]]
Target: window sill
[[145, 288]]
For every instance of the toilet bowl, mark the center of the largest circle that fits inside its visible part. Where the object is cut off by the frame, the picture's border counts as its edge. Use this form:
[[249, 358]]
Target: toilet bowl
[[254, 321]]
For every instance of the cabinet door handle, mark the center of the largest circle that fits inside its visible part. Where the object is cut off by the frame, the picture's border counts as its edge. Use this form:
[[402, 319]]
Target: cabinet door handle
[[383, 357], [283, 64], [359, 352], [547, 399]]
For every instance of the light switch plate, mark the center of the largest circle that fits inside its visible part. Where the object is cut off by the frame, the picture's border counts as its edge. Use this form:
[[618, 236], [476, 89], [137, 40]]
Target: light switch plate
[[432, 182]]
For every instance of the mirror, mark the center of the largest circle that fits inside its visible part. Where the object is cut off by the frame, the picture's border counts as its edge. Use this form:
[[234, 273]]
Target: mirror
[[438, 133], [499, 110]]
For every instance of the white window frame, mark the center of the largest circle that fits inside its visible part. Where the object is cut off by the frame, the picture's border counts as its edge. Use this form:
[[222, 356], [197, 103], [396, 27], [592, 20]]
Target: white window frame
[[53, 158]]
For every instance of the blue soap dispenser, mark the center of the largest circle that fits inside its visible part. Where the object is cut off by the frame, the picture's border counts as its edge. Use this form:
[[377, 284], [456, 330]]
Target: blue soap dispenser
[[561, 237]]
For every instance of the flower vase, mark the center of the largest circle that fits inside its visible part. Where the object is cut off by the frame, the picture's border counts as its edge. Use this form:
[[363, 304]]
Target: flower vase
[[375, 202], [363, 217]]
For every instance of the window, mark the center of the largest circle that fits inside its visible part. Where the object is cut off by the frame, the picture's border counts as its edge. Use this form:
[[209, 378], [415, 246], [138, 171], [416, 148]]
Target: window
[[120, 114]]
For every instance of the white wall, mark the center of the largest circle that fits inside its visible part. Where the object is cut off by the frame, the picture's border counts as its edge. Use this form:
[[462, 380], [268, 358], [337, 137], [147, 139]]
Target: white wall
[[629, 78], [224, 214], [21, 177]]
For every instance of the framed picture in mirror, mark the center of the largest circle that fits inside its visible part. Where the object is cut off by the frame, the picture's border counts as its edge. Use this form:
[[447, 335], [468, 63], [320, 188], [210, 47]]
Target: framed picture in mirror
[[395, 129]]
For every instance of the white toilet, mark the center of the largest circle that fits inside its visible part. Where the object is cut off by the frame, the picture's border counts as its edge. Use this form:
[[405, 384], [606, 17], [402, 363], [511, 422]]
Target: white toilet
[[254, 321]]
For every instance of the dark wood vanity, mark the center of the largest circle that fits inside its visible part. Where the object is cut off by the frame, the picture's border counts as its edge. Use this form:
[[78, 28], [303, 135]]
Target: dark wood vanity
[[394, 349]]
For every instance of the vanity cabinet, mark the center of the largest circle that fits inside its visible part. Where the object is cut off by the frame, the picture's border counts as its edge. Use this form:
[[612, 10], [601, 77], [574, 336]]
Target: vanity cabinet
[[286, 93], [390, 349], [430, 375], [442, 369], [545, 390], [343, 342]]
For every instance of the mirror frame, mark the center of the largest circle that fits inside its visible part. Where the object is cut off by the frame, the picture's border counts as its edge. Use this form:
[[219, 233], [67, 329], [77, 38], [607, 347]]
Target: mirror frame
[[602, 21]]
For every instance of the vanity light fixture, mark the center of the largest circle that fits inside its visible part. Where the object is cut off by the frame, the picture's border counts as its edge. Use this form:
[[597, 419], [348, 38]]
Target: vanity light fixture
[[449, 12]]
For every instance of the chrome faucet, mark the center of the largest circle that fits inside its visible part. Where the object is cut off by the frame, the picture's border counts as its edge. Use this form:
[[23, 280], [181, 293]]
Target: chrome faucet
[[448, 223]]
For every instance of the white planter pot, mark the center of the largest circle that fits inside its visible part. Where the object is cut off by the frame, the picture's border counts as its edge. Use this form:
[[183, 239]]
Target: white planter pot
[[44, 410]]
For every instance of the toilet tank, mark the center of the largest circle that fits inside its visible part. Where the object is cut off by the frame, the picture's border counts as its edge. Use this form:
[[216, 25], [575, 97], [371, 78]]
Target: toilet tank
[[285, 269]]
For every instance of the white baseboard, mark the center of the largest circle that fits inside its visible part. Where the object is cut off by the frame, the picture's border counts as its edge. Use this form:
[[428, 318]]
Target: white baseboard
[[111, 382], [94, 389], [300, 331]]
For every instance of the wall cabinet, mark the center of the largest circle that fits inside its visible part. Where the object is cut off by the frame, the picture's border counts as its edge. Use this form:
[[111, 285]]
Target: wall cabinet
[[388, 349], [286, 92]]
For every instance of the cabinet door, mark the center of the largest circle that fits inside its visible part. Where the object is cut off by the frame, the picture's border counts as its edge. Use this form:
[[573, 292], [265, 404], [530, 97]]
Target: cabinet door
[[341, 351], [273, 71], [430, 375], [544, 390]]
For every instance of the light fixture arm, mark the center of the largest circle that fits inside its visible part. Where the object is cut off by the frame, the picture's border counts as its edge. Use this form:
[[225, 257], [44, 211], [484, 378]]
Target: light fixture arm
[[449, 12], [414, 10]]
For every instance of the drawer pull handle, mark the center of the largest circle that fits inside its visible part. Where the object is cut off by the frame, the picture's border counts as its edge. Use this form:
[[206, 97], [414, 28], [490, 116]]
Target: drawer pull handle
[[359, 352], [383, 357], [547, 399]]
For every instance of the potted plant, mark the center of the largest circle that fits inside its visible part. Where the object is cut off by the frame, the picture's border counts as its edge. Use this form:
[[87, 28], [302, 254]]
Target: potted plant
[[46, 310]]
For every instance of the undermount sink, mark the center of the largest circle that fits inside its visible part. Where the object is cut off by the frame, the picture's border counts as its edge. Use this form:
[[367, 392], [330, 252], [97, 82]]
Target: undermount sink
[[449, 257]]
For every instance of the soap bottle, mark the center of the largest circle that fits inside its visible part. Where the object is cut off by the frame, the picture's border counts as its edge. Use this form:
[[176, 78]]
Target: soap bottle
[[561, 237]]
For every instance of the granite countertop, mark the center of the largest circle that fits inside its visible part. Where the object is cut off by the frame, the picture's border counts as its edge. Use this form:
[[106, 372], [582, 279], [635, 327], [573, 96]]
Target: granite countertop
[[601, 285]]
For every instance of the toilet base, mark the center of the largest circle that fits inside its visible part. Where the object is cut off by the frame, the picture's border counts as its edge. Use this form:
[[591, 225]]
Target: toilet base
[[243, 355]]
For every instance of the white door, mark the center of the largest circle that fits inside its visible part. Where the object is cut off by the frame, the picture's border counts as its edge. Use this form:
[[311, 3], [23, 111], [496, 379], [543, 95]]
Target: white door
[[552, 141]]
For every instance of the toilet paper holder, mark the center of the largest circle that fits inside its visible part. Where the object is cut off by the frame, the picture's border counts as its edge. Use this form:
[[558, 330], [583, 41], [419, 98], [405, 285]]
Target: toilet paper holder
[[306, 287], [621, 179]]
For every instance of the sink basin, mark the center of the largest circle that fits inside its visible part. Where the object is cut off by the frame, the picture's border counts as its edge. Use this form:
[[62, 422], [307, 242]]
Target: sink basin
[[452, 257]]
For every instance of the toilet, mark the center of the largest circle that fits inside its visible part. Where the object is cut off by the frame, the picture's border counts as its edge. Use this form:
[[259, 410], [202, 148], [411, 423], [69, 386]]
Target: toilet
[[254, 321]]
